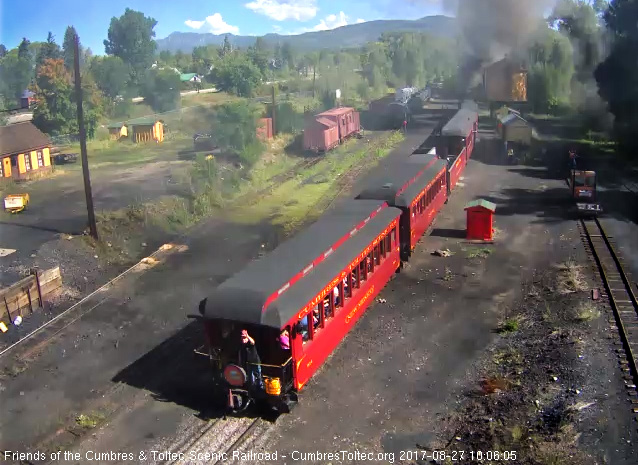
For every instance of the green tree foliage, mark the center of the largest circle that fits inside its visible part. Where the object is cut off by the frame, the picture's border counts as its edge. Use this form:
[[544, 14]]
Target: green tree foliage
[[259, 55], [56, 111], [15, 76], [235, 127], [226, 47], [48, 50], [161, 89], [618, 74], [580, 22], [237, 74], [130, 37], [68, 47], [23, 49], [204, 59], [111, 75], [551, 69]]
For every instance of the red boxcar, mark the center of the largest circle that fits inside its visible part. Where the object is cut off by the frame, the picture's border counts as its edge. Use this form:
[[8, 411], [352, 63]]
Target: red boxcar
[[417, 187], [321, 135], [315, 286], [346, 118], [330, 128]]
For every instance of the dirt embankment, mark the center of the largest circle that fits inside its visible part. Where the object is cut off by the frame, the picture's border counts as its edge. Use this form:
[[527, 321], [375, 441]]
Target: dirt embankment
[[545, 390]]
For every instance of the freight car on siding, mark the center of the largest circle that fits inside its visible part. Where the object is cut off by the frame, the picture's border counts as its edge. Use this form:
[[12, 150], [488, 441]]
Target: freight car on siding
[[417, 187], [330, 128], [315, 286]]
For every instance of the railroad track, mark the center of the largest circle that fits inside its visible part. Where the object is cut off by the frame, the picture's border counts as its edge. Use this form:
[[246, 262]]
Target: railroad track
[[219, 438], [622, 300], [251, 197]]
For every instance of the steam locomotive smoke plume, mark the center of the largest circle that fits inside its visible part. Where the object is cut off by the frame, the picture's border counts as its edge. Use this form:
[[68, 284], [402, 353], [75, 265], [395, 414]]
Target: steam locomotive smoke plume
[[493, 28]]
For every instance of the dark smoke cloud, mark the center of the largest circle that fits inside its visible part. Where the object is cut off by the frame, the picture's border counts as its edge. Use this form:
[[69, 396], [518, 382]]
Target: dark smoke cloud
[[493, 28]]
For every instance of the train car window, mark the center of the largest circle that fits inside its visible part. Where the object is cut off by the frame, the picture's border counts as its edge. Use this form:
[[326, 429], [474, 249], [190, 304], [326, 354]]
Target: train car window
[[370, 262], [377, 254], [323, 314], [306, 328], [357, 277], [348, 286], [382, 247], [341, 295]]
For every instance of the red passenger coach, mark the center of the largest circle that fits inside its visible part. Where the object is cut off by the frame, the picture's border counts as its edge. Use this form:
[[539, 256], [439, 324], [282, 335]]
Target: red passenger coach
[[416, 186], [456, 143], [314, 286]]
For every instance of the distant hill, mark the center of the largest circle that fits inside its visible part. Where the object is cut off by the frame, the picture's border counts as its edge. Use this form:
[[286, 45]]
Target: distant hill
[[353, 35]]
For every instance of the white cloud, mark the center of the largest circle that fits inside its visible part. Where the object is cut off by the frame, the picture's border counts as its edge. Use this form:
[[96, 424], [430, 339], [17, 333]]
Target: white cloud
[[276, 28], [332, 22], [214, 23], [194, 24], [359, 21], [281, 10]]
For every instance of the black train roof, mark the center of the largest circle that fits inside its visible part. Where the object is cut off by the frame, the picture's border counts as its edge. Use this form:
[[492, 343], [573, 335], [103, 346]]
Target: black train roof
[[461, 124], [403, 184], [246, 296]]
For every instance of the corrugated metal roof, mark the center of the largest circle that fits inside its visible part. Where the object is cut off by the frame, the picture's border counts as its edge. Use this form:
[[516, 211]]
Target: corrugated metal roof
[[21, 137], [28, 94], [145, 121], [508, 119], [187, 76], [115, 125], [482, 203]]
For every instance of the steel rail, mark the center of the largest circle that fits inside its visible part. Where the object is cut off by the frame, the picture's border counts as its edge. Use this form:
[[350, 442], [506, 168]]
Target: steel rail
[[596, 252], [240, 440]]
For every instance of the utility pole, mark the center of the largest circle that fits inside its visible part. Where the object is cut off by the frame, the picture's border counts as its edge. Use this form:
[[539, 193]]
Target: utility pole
[[314, 77], [274, 105], [85, 161]]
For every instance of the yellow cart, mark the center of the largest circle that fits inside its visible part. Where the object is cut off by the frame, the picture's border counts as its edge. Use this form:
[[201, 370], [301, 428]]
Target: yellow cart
[[15, 203]]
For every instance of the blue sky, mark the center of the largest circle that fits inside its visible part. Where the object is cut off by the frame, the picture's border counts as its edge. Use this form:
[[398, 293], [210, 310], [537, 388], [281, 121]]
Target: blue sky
[[245, 17]]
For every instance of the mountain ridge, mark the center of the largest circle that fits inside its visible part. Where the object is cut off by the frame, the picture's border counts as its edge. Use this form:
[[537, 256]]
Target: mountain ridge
[[352, 35]]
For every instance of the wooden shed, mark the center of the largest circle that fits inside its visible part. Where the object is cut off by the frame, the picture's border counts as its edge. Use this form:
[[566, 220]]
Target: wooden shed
[[117, 131], [512, 127], [146, 130], [24, 150]]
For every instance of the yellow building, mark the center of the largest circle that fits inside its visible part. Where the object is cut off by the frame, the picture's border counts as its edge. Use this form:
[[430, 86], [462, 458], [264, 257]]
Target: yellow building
[[146, 130], [24, 150], [117, 131]]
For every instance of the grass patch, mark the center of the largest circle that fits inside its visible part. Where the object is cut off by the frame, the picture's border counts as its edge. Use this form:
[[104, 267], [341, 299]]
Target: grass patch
[[89, 421], [479, 253], [511, 325], [585, 312], [208, 99], [294, 201], [570, 278]]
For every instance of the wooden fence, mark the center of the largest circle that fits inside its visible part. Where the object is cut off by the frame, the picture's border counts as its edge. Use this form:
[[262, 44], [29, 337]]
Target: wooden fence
[[28, 294]]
